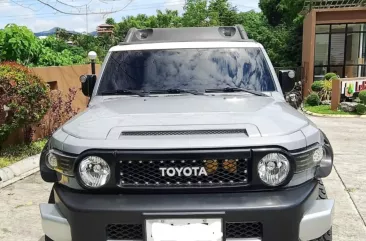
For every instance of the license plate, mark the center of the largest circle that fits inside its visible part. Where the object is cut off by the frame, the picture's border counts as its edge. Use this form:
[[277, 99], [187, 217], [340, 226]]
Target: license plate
[[184, 230]]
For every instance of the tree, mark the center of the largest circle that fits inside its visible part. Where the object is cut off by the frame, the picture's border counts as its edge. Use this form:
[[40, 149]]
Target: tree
[[168, 19], [18, 44], [110, 21], [63, 34], [282, 11], [226, 13], [197, 15]]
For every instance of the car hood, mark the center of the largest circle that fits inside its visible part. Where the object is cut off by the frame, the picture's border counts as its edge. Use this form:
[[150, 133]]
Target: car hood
[[257, 116]]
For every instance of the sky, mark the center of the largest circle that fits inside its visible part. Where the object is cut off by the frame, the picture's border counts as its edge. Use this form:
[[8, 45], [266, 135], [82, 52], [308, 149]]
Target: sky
[[40, 17]]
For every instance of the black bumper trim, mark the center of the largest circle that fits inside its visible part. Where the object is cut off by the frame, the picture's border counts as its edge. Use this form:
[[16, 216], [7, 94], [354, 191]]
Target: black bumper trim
[[280, 212]]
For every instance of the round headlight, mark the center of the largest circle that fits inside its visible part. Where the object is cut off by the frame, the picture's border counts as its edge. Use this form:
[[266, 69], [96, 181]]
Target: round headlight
[[51, 160], [94, 171], [318, 154], [273, 169]]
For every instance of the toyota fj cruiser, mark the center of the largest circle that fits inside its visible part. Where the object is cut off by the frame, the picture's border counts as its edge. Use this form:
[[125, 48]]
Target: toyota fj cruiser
[[187, 136]]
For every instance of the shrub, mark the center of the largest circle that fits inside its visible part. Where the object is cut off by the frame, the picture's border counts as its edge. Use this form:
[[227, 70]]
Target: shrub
[[362, 96], [24, 94], [61, 111], [313, 99], [330, 76], [361, 109], [317, 85], [326, 92]]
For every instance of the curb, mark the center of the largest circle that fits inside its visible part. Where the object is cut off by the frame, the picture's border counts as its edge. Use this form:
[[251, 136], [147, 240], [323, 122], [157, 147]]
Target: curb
[[334, 116], [19, 170]]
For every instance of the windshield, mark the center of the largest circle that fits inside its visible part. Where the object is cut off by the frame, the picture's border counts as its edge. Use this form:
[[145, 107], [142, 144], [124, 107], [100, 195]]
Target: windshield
[[189, 69]]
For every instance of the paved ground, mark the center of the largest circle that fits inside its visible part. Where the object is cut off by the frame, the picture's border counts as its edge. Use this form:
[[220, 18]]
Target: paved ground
[[20, 220]]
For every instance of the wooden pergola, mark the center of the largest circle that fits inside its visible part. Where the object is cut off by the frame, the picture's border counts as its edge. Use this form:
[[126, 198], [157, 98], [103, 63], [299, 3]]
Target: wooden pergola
[[326, 4]]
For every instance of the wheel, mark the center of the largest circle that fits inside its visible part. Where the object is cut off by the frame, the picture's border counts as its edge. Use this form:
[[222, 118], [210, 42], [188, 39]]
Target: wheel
[[51, 199], [323, 195]]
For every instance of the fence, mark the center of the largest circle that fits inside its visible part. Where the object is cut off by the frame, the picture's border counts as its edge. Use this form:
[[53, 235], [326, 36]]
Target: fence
[[340, 89]]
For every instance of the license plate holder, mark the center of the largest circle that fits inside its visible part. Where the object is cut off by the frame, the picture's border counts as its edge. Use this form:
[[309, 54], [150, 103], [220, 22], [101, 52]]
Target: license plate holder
[[184, 229]]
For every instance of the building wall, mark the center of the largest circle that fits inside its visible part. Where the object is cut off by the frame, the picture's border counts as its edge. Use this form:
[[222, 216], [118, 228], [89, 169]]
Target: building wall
[[324, 16], [65, 77]]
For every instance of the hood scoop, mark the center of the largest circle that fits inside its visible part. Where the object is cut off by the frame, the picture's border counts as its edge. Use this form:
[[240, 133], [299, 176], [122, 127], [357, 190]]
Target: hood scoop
[[185, 132]]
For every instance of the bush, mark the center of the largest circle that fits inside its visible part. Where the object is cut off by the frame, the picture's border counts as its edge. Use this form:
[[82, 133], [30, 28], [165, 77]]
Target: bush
[[330, 76], [61, 111], [362, 96], [313, 99], [361, 109], [317, 85], [24, 94], [326, 92]]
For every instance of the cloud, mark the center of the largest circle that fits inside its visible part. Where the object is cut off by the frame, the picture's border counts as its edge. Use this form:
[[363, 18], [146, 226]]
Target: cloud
[[174, 5]]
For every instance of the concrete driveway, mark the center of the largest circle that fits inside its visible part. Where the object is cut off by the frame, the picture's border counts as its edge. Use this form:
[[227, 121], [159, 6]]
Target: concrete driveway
[[20, 219]]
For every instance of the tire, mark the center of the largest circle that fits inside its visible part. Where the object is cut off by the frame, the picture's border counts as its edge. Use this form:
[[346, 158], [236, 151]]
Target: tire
[[323, 195]]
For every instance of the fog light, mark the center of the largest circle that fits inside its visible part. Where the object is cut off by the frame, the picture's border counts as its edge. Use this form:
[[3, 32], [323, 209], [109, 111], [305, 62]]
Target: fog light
[[273, 169], [94, 172]]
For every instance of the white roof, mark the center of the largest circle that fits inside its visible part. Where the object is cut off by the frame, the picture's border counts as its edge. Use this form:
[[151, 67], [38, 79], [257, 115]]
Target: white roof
[[184, 45]]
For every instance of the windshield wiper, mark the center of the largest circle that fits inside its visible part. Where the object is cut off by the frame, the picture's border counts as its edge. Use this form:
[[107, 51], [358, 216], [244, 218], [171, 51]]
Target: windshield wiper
[[235, 89], [176, 91], [125, 92]]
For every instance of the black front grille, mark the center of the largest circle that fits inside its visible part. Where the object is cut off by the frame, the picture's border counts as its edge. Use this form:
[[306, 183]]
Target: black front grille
[[135, 231], [182, 173], [244, 230], [124, 232]]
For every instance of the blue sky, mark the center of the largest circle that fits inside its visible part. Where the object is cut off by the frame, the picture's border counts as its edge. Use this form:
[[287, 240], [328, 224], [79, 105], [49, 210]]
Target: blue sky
[[39, 17]]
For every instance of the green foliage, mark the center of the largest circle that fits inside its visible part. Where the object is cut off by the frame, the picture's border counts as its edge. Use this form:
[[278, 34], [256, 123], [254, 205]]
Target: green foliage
[[313, 99], [330, 76], [325, 109], [326, 92], [350, 89], [278, 41], [278, 28], [317, 85], [26, 96], [362, 96], [360, 109], [19, 44], [12, 154], [282, 11], [110, 21]]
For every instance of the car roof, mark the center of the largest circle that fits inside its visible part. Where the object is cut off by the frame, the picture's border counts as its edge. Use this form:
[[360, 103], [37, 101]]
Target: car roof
[[158, 35], [186, 45]]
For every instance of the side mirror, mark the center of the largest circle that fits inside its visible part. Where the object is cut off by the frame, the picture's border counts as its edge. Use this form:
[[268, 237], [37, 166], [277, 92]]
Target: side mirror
[[287, 80], [88, 83]]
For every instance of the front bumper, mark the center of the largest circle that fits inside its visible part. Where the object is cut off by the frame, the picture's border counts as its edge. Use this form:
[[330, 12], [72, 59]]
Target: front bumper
[[285, 215]]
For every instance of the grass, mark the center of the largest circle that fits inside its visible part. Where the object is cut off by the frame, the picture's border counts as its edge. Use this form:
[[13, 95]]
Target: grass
[[325, 109], [12, 154]]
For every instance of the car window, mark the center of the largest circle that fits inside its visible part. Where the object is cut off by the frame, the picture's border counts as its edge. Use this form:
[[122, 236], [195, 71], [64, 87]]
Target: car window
[[196, 69]]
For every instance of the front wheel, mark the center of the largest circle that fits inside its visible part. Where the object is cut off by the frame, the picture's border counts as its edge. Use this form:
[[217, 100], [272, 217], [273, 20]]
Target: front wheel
[[323, 195]]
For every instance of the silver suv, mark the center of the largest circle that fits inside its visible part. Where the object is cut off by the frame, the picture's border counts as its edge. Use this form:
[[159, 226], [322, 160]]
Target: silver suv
[[187, 136]]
